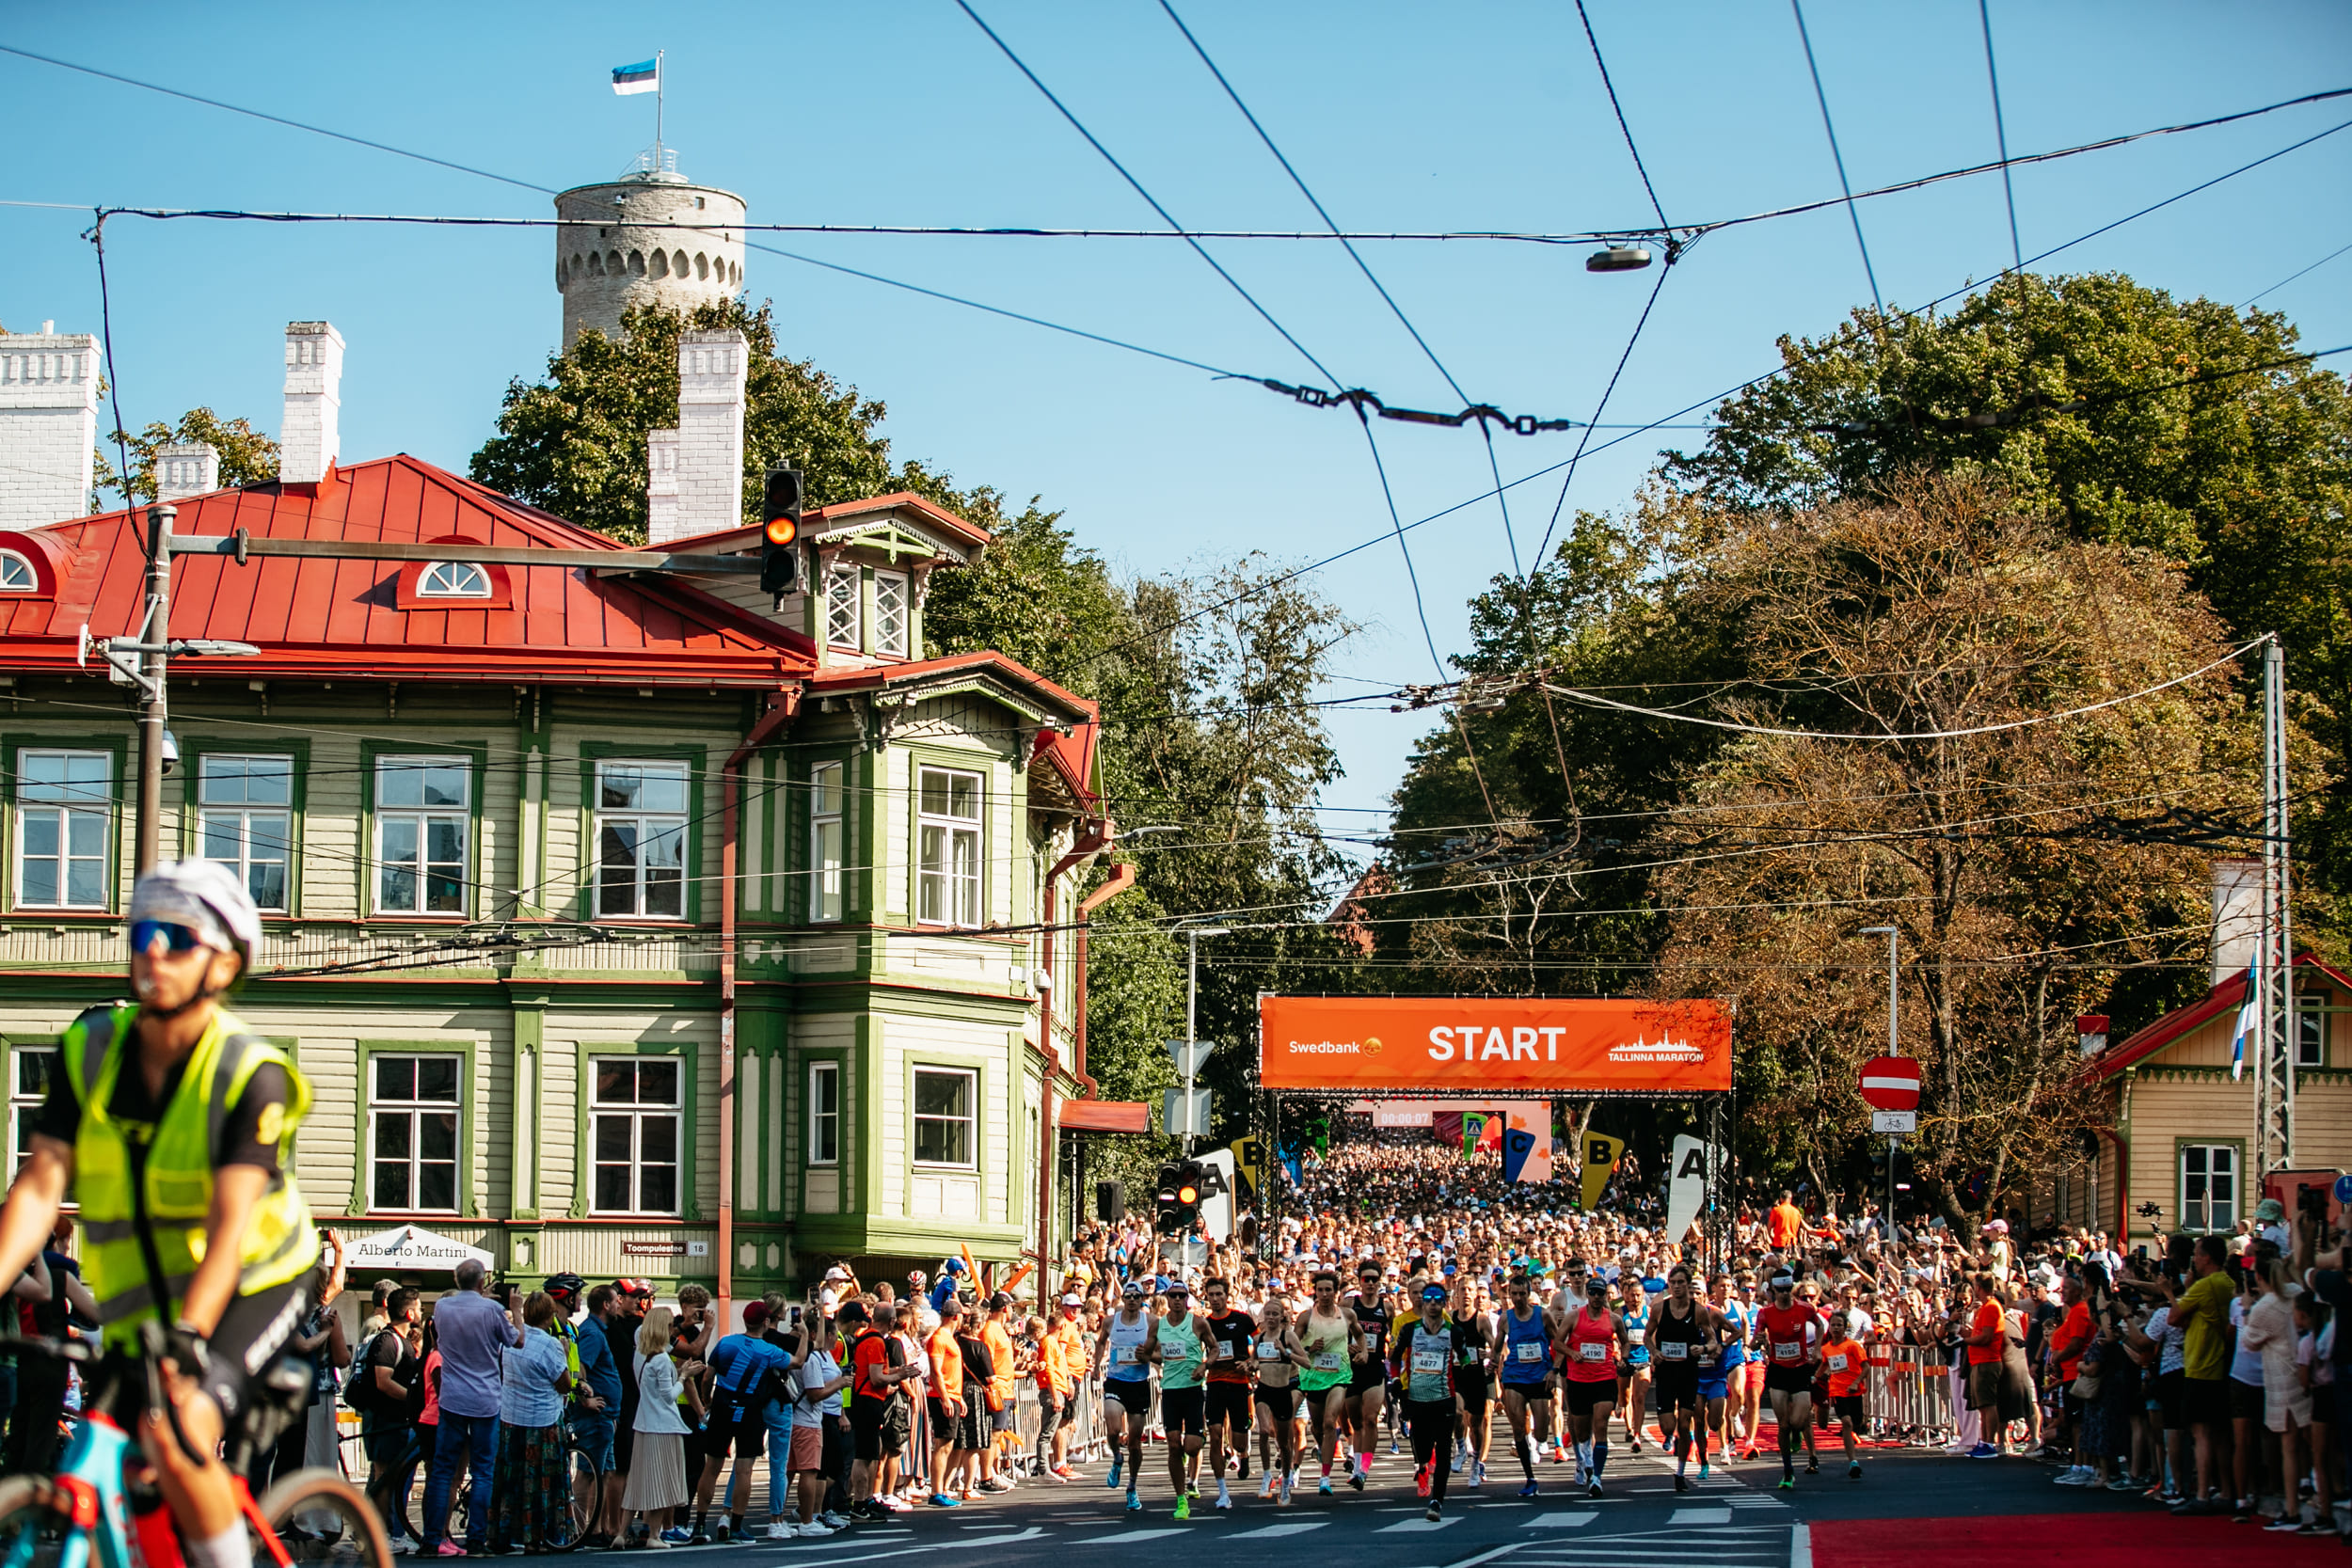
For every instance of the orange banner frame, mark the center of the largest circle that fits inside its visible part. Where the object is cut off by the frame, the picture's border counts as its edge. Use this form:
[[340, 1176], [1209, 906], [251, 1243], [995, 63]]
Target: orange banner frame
[[1485, 1045]]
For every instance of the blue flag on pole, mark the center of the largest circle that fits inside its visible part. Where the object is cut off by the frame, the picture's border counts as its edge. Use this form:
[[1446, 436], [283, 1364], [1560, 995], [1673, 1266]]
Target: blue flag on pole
[[645, 76], [2247, 1017]]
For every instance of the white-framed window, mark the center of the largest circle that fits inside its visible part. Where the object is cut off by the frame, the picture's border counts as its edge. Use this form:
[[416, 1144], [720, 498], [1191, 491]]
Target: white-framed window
[[948, 847], [17, 574], [827, 841], [29, 1068], [2310, 1030], [453, 579], [635, 1122], [245, 820], [2209, 1186], [65, 802], [423, 821], [825, 1113], [412, 1133], [893, 612], [641, 839], [946, 1115], [842, 595]]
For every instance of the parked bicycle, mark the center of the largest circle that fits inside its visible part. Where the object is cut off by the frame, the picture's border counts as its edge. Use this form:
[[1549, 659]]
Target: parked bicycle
[[102, 1508]]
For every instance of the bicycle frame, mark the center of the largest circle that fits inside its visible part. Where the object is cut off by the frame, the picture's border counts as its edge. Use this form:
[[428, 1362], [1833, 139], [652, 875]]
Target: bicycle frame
[[89, 1493]]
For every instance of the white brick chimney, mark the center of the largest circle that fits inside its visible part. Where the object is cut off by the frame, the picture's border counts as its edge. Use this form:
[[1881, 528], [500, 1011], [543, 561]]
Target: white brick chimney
[[661, 522], [309, 438], [193, 469], [2238, 915], [713, 370], [48, 426]]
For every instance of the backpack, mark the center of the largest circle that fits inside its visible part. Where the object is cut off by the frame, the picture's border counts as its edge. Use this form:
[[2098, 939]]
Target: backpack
[[359, 1390]]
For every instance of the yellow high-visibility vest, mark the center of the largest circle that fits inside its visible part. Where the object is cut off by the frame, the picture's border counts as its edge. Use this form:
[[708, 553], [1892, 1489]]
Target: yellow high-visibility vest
[[173, 1161]]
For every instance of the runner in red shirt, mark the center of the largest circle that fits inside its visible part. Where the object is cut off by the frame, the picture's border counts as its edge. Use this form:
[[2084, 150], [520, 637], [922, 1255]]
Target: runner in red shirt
[[1790, 1335], [1589, 1352]]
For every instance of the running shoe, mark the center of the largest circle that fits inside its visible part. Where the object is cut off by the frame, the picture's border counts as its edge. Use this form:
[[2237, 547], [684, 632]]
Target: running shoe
[[1787, 1483], [1434, 1515], [2284, 1522], [1984, 1450], [1355, 1480], [1323, 1488], [815, 1529], [1853, 1471], [1682, 1483], [1192, 1487], [1478, 1472], [942, 1499], [1812, 1465], [1286, 1489], [1111, 1480], [677, 1535], [1528, 1491], [2122, 1483], [777, 1530], [1420, 1484], [1184, 1508], [1702, 1469], [1134, 1504], [1592, 1487], [1224, 1498], [1267, 1490]]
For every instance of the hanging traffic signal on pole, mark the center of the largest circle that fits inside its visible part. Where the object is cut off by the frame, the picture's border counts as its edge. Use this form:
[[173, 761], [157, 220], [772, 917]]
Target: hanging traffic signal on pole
[[1176, 1206], [780, 524], [1163, 1199]]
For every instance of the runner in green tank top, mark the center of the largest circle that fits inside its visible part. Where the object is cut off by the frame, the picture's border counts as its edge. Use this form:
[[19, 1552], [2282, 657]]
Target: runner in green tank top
[[1175, 1344]]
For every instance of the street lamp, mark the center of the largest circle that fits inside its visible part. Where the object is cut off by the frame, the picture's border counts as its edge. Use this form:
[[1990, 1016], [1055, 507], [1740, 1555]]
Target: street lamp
[[1192, 992], [1894, 1048]]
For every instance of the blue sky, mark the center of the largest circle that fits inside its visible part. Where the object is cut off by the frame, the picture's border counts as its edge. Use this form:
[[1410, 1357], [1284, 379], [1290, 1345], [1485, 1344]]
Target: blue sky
[[1470, 116]]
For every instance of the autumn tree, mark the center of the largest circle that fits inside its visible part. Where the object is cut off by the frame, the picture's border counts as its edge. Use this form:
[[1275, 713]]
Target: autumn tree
[[1899, 764]]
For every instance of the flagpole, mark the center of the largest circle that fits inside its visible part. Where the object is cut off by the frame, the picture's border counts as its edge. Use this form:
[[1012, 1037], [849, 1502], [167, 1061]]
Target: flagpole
[[657, 110]]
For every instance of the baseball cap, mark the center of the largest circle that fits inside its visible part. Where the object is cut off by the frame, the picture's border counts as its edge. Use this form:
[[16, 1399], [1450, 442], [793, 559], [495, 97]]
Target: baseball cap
[[1072, 1298], [754, 1315], [633, 1287], [1002, 1298], [1132, 1287], [836, 1274]]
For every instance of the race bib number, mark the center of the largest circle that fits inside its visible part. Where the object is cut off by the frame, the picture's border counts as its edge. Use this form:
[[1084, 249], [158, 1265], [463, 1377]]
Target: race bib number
[[1122, 1356], [1592, 1349], [1269, 1350], [1428, 1360], [1225, 1351], [1328, 1361], [1786, 1350], [1837, 1362], [1527, 1350], [1674, 1350]]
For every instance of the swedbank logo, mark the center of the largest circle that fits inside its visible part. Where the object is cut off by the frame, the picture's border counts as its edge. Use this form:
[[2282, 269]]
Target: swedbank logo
[[1335, 1048], [1372, 1045]]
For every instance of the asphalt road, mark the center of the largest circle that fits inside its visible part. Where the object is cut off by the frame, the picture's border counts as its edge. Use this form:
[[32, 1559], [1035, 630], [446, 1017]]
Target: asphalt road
[[1734, 1519]]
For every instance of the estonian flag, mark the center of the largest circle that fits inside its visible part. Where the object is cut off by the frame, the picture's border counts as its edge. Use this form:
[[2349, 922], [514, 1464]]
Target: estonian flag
[[645, 76], [2247, 1018]]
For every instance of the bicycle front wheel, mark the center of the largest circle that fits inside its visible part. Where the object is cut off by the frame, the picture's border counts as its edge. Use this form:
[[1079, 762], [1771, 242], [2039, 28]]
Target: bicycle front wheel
[[30, 1524], [583, 1501], [307, 1499]]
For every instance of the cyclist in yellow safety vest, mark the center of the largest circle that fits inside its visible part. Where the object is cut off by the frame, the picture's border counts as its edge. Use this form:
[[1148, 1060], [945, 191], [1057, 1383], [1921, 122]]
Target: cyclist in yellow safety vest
[[172, 1126]]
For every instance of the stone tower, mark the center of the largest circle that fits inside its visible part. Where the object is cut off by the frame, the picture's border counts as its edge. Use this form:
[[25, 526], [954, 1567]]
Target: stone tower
[[649, 237]]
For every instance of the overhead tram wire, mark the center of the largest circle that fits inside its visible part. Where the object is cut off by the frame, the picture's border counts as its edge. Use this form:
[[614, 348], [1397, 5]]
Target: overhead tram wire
[[2000, 133], [1839, 158], [1387, 495], [2289, 277], [1639, 168]]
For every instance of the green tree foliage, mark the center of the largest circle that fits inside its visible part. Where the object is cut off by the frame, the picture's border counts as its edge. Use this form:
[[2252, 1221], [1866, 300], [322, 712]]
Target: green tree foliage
[[246, 455], [2201, 439]]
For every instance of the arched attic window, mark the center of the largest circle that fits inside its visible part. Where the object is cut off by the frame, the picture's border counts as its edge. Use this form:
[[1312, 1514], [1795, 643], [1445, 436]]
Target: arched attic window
[[17, 574], [454, 584], [453, 579]]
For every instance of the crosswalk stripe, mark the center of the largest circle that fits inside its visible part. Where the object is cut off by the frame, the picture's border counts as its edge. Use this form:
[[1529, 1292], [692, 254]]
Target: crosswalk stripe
[[1413, 1526], [1269, 1532], [1699, 1517], [1577, 1520]]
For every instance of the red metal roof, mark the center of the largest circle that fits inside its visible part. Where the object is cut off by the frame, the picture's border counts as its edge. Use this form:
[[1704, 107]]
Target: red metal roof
[[2223, 998], [316, 617], [916, 671]]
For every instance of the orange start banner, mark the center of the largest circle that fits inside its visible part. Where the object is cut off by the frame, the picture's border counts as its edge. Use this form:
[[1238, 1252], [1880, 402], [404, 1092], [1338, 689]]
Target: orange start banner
[[1485, 1044]]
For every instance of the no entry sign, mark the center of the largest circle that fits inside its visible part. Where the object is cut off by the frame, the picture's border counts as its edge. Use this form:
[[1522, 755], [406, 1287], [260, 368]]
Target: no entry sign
[[1891, 1083]]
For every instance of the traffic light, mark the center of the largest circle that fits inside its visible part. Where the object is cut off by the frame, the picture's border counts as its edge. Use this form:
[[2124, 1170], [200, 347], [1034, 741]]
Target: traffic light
[[1177, 1208], [780, 522]]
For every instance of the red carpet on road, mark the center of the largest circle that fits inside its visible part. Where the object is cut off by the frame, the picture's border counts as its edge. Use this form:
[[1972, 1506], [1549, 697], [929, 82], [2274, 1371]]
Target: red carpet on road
[[2101, 1540]]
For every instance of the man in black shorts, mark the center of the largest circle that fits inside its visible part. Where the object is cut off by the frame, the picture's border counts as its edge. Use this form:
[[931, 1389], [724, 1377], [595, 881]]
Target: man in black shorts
[[1368, 1376], [1226, 1343]]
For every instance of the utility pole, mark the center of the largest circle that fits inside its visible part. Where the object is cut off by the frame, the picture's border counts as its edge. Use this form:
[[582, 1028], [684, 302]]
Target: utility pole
[[1190, 1060], [154, 657], [1894, 1048], [2274, 962]]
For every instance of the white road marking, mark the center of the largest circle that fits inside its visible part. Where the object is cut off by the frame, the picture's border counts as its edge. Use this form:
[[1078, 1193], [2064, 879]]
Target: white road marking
[[1134, 1535], [1419, 1527], [1699, 1517], [1800, 1546], [1269, 1532], [1561, 1521]]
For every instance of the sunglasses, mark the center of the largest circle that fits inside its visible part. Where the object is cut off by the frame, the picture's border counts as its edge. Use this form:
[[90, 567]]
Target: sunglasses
[[179, 939]]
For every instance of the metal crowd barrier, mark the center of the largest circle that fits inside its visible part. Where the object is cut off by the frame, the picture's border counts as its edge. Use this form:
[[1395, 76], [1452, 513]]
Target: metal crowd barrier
[[1911, 1394]]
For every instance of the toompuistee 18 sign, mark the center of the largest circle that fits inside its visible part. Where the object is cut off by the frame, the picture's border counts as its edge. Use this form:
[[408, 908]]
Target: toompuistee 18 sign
[[1482, 1044]]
